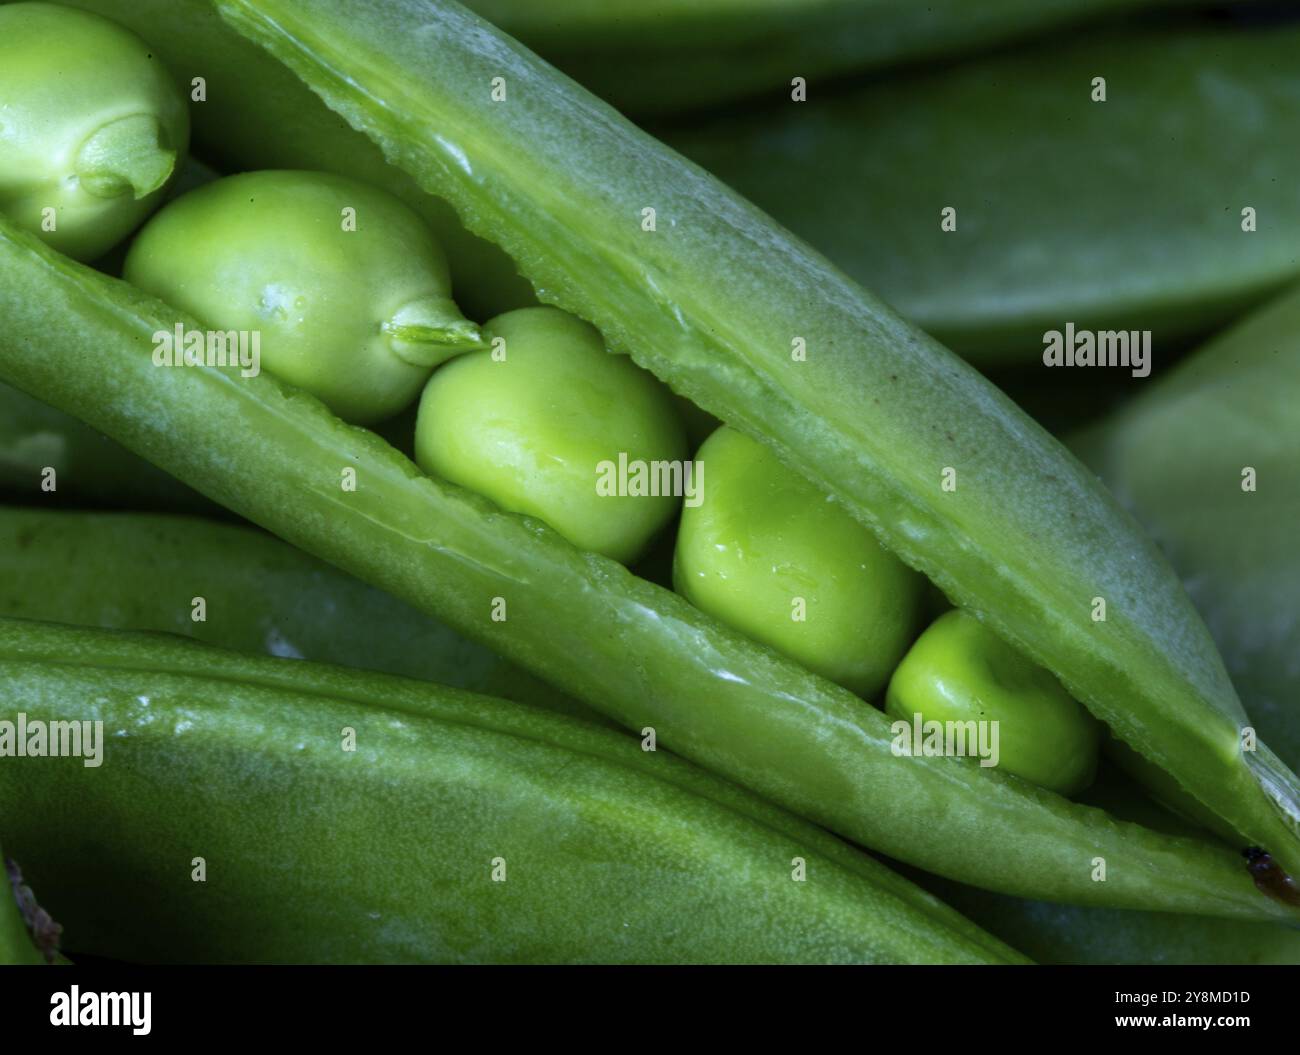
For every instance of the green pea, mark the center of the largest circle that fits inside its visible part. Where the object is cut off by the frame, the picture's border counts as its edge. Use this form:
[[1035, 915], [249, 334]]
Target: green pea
[[960, 671], [770, 555], [541, 424], [90, 127], [345, 286]]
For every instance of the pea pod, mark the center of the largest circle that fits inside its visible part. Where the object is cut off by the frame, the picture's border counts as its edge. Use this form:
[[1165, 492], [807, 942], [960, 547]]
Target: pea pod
[[756, 328], [87, 466], [1070, 934], [132, 571], [666, 55], [644, 655], [1225, 509], [439, 826], [1067, 209]]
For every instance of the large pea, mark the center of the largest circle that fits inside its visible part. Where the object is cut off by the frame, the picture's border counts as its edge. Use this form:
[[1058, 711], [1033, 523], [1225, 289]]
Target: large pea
[[547, 422], [345, 286], [770, 555], [91, 127], [960, 671]]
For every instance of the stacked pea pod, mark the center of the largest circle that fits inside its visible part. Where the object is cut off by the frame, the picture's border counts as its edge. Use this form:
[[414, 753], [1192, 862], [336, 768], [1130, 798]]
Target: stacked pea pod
[[830, 401]]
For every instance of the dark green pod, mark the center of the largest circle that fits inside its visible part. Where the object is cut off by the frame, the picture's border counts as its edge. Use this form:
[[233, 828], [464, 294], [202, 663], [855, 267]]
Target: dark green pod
[[659, 56], [249, 591], [1123, 214], [247, 809]]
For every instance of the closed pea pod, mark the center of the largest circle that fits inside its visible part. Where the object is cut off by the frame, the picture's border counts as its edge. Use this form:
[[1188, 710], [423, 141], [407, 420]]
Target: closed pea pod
[[441, 826], [88, 143], [232, 586]]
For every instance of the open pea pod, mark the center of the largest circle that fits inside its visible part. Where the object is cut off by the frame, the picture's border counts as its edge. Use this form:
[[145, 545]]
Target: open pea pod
[[439, 826], [755, 327], [638, 652], [229, 585], [1120, 214], [662, 55]]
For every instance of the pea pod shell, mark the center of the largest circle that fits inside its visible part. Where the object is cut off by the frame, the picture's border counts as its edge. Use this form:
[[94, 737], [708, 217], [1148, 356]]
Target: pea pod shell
[[1226, 509], [1067, 209], [638, 652], [351, 817], [710, 295], [660, 56], [136, 571]]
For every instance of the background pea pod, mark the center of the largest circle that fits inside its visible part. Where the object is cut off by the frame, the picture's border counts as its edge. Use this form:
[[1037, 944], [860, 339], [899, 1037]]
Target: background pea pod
[[706, 292], [638, 652], [88, 467], [664, 55], [135, 571], [1225, 506], [1115, 215], [452, 827]]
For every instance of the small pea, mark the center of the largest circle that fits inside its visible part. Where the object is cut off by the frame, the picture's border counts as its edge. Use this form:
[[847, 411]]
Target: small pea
[[538, 422], [770, 555], [346, 286], [959, 671], [91, 126]]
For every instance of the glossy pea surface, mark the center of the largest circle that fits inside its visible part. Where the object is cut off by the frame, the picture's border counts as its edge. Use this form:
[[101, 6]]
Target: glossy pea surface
[[323, 267], [961, 671], [770, 555], [91, 126], [530, 421]]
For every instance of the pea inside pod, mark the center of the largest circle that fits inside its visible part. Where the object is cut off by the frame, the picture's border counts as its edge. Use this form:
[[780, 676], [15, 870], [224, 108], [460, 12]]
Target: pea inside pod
[[766, 552], [343, 285], [87, 142], [547, 422], [961, 672]]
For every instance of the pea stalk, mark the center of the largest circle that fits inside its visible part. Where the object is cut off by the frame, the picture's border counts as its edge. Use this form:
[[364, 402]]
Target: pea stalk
[[439, 826], [640, 653], [16, 945], [758, 329]]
